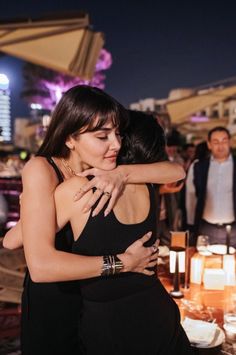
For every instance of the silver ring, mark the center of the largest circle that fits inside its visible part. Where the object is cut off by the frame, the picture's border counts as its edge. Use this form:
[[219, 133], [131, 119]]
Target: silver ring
[[106, 193], [154, 248]]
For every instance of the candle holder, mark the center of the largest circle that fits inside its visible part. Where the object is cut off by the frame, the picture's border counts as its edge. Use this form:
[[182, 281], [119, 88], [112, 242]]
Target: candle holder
[[177, 265], [186, 275], [181, 239], [228, 233]]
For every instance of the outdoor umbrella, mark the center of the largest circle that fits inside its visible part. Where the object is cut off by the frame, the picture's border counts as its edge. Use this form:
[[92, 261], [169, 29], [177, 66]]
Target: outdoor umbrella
[[67, 45], [181, 110]]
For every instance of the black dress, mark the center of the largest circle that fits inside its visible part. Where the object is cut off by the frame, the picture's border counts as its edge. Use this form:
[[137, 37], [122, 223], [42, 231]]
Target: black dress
[[50, 311], [130, 313]]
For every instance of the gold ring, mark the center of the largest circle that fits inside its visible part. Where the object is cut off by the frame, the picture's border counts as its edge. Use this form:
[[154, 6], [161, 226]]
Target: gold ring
[[108, 194]]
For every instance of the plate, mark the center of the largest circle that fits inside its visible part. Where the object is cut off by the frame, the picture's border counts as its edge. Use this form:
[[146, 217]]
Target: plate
[[218, 340], [220, 249]]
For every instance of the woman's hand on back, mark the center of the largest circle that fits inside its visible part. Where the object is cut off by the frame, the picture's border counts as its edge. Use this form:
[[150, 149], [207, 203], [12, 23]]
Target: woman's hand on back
[[108, 185], [138, 258]]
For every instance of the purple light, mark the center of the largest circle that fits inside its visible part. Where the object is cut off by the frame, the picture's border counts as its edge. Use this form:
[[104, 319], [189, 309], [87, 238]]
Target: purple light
[[53, 90], [199, 119], [104, 61]]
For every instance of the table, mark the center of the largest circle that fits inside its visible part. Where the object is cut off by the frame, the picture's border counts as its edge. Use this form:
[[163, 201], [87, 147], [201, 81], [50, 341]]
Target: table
[[207, 305]]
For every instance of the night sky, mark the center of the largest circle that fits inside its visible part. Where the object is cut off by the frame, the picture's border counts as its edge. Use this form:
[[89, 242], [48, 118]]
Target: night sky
[[155, 45]]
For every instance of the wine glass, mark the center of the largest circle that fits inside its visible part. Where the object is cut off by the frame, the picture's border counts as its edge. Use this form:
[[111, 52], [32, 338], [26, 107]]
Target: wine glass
[[203, 244], [230, 319]]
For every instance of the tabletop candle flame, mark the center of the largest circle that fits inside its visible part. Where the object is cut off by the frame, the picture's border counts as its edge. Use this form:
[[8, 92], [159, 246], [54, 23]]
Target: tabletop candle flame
[[228, 232]]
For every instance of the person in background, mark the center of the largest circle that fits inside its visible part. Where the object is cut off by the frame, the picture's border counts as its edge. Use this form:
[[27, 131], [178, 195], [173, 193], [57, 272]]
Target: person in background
[[188, 154], [211, 190], [172, 150], [50, 301]]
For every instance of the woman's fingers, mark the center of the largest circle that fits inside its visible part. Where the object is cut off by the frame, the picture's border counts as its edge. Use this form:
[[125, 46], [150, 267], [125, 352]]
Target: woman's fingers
[[95, 197], [154, 256], [143, 258], [148, 272], [85, 188], [152, 264], [114, 196], [106, 190], [146, 237], [102, 202]]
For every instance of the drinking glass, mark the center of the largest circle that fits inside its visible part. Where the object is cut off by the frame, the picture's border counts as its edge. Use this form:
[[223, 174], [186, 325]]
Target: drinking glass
[[230, 319], [203, 244]]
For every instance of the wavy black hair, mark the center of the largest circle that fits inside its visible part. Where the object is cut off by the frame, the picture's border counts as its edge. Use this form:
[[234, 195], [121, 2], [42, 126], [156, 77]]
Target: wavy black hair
[[144, 140]]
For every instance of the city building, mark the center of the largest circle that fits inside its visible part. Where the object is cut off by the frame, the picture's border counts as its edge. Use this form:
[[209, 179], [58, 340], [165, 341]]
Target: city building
[[5, 110]]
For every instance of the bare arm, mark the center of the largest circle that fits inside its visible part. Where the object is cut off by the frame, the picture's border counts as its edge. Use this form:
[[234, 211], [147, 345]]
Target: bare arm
[[113, 181], [171, 188], [156, 173], [38, 220]]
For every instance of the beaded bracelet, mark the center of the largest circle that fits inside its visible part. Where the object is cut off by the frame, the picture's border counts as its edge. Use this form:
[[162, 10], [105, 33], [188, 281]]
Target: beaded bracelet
[[112, 265]]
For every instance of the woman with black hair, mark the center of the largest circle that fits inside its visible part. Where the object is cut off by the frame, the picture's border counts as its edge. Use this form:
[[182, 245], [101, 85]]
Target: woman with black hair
[[123, 313], [84, 132]]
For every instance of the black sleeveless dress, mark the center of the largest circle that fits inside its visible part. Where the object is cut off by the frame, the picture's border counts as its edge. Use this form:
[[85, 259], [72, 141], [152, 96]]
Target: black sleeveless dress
[[50, 311], [129, 313]]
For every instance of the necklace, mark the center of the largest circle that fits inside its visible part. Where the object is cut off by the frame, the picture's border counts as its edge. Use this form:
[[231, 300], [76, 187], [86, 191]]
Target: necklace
[[68, 167]]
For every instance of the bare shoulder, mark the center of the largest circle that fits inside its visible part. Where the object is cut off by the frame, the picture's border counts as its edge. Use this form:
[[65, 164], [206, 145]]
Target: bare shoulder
[[64, 197], [35, 164], [71, 185], [38, 170]]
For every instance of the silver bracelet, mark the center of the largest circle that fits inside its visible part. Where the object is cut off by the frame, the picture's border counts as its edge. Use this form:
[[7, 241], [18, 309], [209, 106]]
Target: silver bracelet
[[112, 265]]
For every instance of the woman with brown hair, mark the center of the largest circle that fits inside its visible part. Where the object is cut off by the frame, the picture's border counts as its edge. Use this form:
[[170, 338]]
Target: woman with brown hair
[[50, 306]]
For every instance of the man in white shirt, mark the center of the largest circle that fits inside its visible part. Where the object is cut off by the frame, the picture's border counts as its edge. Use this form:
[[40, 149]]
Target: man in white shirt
[[211, 190]]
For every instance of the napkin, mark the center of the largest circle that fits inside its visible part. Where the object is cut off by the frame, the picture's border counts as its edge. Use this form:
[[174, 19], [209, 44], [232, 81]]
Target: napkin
[[163, 251], [199, 332]]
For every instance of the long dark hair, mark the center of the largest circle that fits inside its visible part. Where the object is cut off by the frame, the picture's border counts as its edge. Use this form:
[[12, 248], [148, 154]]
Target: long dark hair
[[144, 140], [81, 108]]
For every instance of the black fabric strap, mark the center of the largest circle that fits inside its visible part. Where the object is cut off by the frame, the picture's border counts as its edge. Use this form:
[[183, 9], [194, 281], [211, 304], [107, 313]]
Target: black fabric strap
[[58, 172]]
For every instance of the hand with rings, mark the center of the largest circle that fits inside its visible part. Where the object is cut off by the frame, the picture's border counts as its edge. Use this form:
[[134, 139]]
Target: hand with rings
[[98, 195], [107, 194], [107, 186], [154, 248], [140, 258]]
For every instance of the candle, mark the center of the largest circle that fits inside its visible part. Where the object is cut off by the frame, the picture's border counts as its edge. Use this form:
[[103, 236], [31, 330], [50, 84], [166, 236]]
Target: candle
[[196, 269], [214, 279], [229, 269], [228, 232]]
